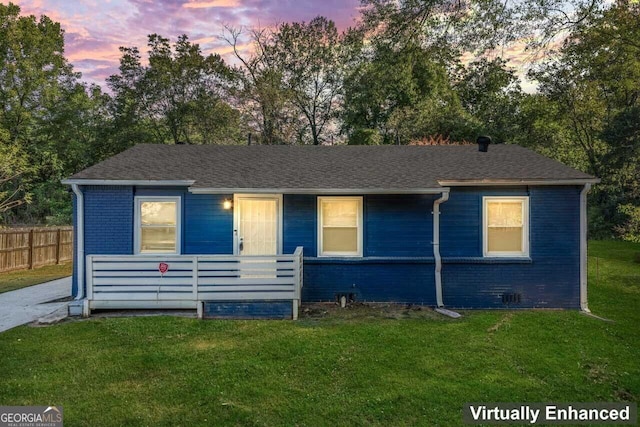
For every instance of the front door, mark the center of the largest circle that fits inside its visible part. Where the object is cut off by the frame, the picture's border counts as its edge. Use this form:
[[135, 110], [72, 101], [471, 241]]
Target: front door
[[257, 225]]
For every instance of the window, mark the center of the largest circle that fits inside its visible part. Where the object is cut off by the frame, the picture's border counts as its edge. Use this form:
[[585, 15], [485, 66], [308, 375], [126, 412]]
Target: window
[[506, 231], [157, 225], [340, 226]]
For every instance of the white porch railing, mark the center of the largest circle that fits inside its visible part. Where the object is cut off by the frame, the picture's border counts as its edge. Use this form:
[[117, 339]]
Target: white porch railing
[[136, 281]]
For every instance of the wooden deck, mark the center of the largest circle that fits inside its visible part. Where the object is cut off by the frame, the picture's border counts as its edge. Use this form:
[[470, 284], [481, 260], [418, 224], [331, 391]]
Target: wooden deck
[[136, 281]]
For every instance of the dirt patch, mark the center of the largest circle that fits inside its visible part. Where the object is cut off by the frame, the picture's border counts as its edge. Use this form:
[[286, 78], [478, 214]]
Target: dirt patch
[[367, 310], [506, 319]]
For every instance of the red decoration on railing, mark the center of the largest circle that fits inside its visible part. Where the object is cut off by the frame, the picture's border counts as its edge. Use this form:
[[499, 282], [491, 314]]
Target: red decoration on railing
[[163, 267]]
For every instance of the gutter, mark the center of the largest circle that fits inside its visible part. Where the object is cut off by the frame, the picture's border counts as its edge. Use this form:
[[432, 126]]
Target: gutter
[[515, 182], [584, 304], [436, 245], [80, 240], [330, 191]]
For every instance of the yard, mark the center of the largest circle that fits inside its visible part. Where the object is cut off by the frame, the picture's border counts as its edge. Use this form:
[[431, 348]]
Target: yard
[[22, 278], [357, 366]]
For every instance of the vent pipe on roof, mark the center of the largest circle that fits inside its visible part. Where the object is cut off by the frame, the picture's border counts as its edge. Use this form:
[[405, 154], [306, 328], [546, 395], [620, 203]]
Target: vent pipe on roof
[[483, 143]]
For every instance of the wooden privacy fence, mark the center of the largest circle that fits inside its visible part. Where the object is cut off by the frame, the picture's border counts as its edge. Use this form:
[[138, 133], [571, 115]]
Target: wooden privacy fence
[[22, 248]]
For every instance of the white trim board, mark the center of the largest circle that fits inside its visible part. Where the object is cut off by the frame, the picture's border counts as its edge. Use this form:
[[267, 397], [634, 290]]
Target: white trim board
[[316, 191], [515, 182], [150, 182]]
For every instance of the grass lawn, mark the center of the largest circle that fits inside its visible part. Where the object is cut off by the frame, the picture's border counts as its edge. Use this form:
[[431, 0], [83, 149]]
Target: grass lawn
[[22, 278], [354, 367]]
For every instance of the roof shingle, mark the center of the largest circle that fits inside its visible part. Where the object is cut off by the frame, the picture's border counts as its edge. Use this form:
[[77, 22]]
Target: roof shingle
[[328, 167]]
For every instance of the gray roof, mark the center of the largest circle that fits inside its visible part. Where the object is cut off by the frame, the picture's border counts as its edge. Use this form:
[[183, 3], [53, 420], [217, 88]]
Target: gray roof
[[393, 168]]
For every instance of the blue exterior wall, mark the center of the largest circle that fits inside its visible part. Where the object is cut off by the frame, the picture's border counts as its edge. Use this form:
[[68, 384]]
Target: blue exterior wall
[[550, 278], [398, 262], [207, 228], [248, 309], [108, 222], [398, 255]]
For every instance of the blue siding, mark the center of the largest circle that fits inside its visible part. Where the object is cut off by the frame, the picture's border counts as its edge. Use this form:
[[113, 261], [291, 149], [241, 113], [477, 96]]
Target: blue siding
[[248, 309], [401, 280], [108, 220], [207, 227], [300, 224], [398, 264], [108, 223], [461, 220], [550, 279], [398, 226]]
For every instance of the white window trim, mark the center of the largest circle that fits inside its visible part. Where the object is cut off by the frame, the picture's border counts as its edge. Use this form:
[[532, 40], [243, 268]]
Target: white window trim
[[525, 227], [360, 224], [137, 235]]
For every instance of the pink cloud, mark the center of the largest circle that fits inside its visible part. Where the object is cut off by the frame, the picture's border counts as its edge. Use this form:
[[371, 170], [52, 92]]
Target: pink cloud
[[95, 29], [213, 3]]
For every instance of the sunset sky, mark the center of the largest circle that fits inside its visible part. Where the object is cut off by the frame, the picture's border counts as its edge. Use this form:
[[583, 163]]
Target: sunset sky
[[95, 29]]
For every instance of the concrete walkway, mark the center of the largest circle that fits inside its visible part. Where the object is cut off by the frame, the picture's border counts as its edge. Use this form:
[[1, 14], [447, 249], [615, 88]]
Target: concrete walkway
[[29, 304]]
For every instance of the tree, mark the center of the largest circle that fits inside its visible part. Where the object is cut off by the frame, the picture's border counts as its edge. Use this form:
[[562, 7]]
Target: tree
[[310, 60], [491, 93], [260, 90], [177, 98], [594, 88], [401, 94], [34, 78], [33, 66], [474, 26], [12, 165]]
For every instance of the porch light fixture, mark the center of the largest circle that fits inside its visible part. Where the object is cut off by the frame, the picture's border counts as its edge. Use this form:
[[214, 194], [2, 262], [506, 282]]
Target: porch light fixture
[[227, 204]]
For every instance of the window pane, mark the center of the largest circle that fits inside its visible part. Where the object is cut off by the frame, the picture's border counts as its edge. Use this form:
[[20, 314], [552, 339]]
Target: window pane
[[158, 213], [340, 213], [341, 239], [504, 214], [158, 239], [504, 239]]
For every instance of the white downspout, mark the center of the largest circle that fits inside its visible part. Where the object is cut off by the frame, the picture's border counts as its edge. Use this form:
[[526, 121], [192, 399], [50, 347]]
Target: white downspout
[[80, 238], [436, 244], [584, 305]]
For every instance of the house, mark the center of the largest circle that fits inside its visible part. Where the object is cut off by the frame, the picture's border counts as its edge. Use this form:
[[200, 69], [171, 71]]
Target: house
[[251, 231]]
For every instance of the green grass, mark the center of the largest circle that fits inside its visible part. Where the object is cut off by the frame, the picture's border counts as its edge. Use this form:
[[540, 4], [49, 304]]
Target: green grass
[[350, 367], [22, 278]]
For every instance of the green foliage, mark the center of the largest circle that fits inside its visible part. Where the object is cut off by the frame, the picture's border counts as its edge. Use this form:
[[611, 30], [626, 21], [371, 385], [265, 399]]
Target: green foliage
[[177, 98], [13, 165], [592, 97], [34, 84], [397, 77], [310, 60], [402, 94], [629, 230], [490, 92], [365, 137]]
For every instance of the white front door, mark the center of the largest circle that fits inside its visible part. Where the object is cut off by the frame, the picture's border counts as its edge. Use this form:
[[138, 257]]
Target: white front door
[[257, 225]]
